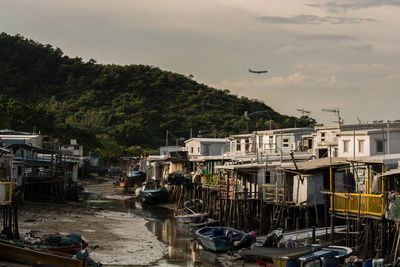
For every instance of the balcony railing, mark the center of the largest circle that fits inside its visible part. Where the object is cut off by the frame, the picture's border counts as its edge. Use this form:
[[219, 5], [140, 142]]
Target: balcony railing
[[359, 203], [5, 193]]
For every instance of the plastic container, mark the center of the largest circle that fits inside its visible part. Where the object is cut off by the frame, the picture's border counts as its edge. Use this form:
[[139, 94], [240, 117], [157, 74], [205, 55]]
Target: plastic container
[[377, 262]]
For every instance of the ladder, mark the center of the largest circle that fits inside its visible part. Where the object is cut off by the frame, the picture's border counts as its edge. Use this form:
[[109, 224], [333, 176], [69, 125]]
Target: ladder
[[277, 216]]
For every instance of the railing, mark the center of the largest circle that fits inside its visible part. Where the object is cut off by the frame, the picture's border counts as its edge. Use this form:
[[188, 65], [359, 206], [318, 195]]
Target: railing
[[273, 193], [5, 193], [359, 203]]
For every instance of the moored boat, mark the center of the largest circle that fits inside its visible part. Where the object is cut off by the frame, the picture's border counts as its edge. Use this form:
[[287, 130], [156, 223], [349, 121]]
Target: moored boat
[[192, 218], [153, 196], [298, 256], [216, 238], [36, 256]]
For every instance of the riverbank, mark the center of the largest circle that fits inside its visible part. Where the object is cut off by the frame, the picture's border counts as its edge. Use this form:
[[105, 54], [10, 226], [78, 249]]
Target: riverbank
[[115, 238]]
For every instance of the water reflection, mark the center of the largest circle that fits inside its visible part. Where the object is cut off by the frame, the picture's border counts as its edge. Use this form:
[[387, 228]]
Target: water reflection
[[183, 250]]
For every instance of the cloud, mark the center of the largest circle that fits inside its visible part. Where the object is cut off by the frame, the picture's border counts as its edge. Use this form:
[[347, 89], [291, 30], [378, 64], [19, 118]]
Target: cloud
[[376, 68], [292, 80], [344, 5], [361, 48], [288, 49], [326, 37], [312, 19]]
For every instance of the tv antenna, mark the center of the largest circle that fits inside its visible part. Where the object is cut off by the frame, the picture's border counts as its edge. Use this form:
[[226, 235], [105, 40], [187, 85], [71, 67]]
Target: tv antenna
[[337, 111], [303, 111]]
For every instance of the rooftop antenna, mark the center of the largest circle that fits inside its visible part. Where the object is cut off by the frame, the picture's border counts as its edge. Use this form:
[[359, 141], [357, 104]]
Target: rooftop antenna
[[337, 111], [359, 120], [303, 111]]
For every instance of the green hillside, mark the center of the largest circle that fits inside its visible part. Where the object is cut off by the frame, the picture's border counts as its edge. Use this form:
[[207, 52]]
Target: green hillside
[[131, 106]]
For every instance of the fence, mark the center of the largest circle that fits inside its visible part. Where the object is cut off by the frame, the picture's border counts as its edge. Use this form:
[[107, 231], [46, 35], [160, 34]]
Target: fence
[[273, 193], [359, 203]]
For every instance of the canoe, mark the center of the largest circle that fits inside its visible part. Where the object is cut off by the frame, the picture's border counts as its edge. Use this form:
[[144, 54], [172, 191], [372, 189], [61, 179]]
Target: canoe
[[192, 218], [215, 238], [36, 256]]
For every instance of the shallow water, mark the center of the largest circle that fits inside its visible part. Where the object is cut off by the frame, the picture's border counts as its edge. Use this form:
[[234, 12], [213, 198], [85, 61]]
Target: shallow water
[[183, 250]]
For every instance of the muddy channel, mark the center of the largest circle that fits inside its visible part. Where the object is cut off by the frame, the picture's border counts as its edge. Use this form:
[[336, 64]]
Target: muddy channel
[[120, 231]]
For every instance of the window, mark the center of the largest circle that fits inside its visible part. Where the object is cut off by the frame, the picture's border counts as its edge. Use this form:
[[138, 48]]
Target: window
[[238, 147], [346, 145], [267, 177], [198, 149], [247, 145], [322, 136], [361, 146], [191, 150], [285, 142], [379, 146]]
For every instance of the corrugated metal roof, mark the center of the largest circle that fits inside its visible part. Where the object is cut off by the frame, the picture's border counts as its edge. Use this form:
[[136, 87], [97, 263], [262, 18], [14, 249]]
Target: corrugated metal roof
[[317, 164], [209, 140], [391, 172]]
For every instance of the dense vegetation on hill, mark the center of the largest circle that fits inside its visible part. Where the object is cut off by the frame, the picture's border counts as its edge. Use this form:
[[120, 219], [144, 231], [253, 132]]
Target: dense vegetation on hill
[[122, 108]]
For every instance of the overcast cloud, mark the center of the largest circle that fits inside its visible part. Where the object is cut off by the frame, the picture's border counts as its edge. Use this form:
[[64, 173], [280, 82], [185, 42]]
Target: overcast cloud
[[319, 54]]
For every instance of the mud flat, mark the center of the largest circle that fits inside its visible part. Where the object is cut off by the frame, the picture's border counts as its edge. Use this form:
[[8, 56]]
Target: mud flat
[[115, 238]]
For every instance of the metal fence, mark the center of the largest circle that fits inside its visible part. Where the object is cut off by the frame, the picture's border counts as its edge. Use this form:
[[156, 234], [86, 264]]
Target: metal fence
[[359, 203]]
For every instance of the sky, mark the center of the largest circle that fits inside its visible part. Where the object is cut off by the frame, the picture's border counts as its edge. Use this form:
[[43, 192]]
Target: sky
[[319, 54]]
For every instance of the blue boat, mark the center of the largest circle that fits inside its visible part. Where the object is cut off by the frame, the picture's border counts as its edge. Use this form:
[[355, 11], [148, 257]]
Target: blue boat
[[192, 218], [153, 196], [331, 254], [215, 238]]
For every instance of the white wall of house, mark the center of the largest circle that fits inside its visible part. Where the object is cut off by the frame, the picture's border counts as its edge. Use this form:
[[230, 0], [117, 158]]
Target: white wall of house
[[309, 190], [368, 143], [205, 146], [193, 147]]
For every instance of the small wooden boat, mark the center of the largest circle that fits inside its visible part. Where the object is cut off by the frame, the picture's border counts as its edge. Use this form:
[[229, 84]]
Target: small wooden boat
[[335, 253], [193, 227], [215, 238], [153, 196], [192, 218], [69, 244], [296, 257], [36, 256]]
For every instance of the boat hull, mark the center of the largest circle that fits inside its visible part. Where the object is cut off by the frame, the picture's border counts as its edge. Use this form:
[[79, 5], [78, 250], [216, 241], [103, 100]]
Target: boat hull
[[192, 218], [215, 238], [35, 256], [153, 196]]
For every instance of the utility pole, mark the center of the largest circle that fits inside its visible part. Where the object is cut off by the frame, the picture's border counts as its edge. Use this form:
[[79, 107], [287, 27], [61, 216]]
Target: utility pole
[[166, 139], [191, 133]]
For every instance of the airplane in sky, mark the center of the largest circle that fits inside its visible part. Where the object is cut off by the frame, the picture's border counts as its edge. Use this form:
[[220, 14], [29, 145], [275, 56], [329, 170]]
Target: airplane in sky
[[258, 71]]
